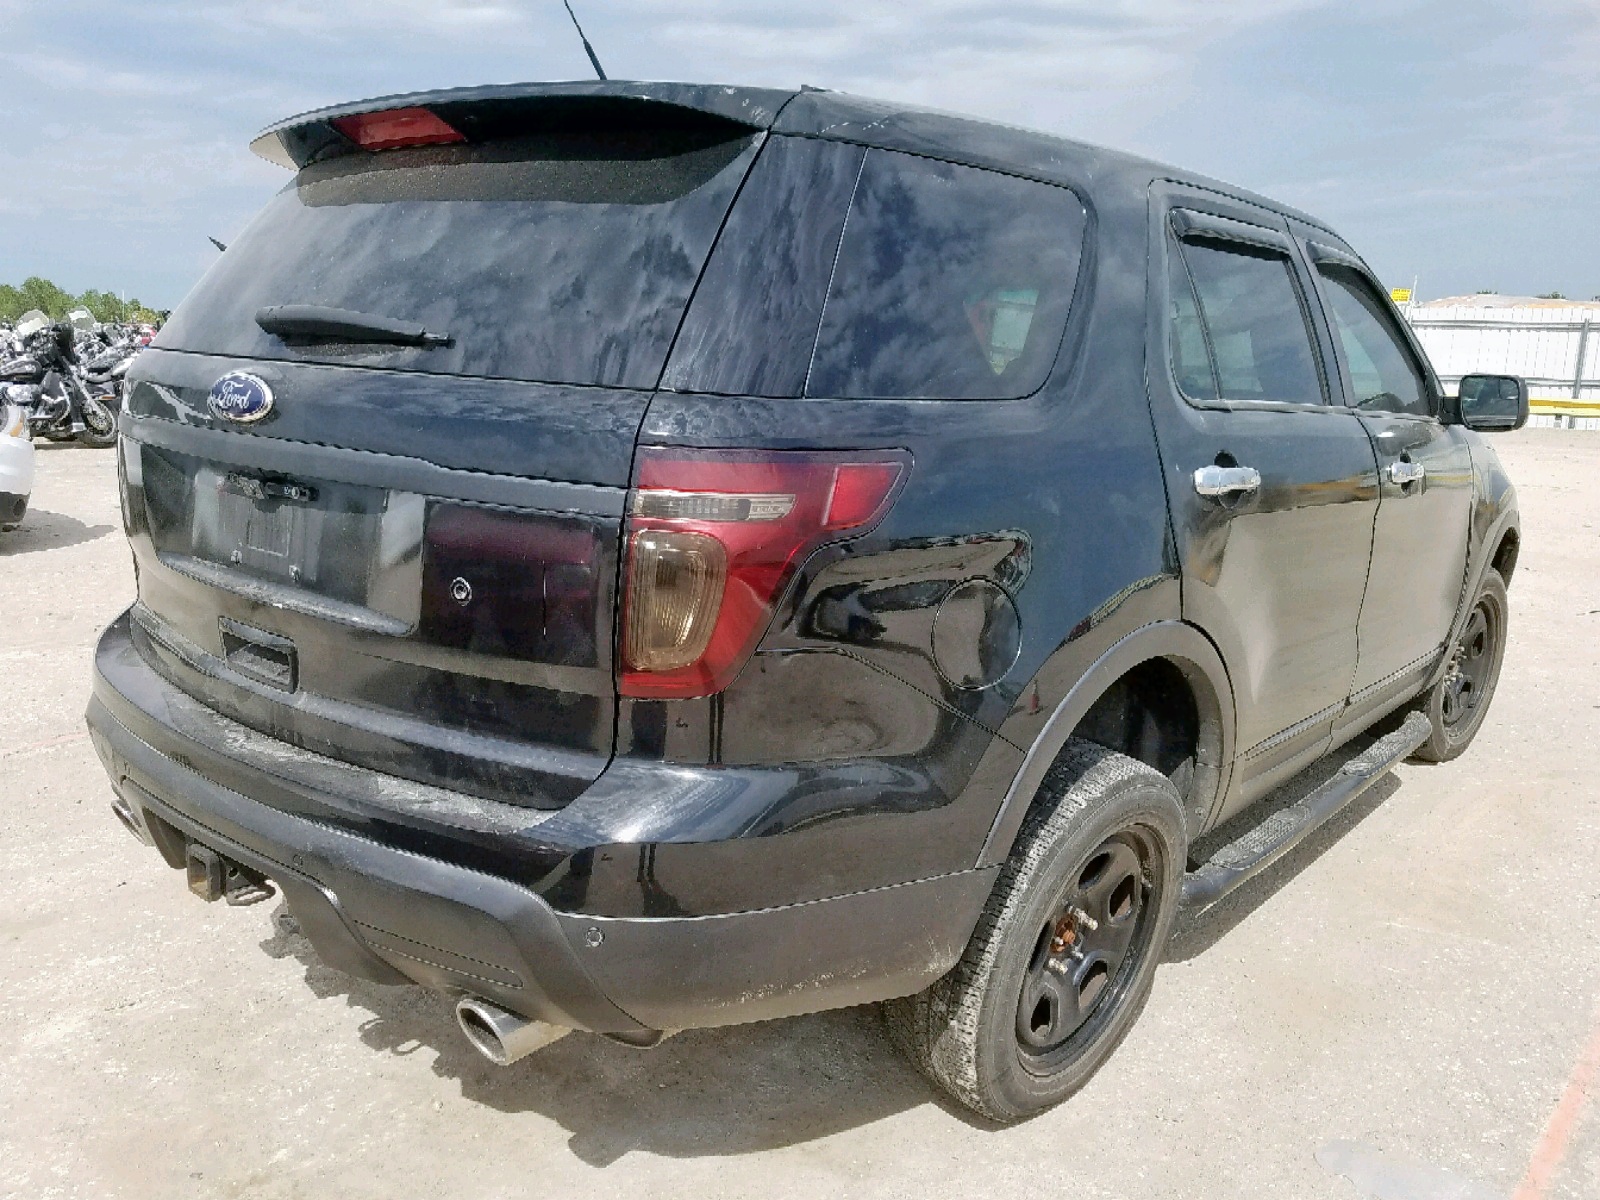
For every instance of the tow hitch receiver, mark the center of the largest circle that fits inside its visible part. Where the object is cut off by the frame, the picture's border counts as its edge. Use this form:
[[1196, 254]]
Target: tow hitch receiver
[[212, 877]]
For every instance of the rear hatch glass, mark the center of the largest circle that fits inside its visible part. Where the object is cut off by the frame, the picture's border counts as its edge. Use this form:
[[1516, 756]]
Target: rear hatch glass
[[563, 255]]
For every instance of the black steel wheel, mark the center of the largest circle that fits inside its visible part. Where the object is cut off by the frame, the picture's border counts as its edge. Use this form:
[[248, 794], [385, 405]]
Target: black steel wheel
[[1083, 957], [1457, 704], [1065, 952]]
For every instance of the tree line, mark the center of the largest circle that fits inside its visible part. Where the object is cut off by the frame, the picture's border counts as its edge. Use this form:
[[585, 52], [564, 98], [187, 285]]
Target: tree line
[[56, 302]]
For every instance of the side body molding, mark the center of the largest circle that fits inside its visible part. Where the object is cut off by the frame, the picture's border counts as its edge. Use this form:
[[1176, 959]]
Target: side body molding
[[1187, 648]]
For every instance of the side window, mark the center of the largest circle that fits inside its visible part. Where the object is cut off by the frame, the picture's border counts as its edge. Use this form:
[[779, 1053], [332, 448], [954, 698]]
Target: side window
[[1384, 376], [951, 283], [1244, 314]]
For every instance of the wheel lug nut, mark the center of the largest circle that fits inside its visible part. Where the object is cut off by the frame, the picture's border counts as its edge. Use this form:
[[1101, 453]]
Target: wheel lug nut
[[1059, 964]]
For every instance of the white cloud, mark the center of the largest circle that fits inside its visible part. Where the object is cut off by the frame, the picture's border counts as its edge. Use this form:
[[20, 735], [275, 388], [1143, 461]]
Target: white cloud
[[60, 72], [362, 20], [136, 117], [1052, 65]]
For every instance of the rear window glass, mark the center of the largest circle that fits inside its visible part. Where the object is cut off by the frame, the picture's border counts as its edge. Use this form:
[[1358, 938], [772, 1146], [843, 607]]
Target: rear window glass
[[564, 257], [888, 276]]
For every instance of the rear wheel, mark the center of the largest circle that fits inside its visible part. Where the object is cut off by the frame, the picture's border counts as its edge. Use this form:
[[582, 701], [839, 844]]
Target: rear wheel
[[1457, 705], [1063, 957]]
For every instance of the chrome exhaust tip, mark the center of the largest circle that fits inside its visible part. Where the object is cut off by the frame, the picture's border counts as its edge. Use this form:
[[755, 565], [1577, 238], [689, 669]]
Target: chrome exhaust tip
[[500, 1036], [125, 813]]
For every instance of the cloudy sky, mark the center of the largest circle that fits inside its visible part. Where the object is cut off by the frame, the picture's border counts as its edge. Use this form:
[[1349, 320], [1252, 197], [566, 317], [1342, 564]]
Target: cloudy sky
[[1457, 141]]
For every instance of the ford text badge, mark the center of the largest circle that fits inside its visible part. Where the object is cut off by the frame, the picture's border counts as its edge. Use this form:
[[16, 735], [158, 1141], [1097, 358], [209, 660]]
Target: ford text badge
[[240, 397]]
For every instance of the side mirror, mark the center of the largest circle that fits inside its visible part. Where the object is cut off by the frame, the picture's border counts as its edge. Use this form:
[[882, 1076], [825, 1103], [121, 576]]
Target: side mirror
[[1492, 403]]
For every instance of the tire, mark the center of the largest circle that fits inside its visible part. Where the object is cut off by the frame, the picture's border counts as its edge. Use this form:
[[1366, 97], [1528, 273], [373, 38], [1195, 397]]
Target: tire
[[94, 411], [1105, 839], [1457, 705]]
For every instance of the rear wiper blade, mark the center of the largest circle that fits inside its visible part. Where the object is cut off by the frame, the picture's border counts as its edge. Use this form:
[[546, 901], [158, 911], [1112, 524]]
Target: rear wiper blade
[[342, 324]]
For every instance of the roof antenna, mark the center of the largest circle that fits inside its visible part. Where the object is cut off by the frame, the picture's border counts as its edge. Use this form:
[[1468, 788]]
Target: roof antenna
[[587, 49]]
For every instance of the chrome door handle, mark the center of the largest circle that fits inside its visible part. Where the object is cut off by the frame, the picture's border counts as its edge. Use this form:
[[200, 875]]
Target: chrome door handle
[[1226, 481], [1406, 472]]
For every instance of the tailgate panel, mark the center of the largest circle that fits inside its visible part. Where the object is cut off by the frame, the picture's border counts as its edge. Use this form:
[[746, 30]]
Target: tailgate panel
[[447, 625]]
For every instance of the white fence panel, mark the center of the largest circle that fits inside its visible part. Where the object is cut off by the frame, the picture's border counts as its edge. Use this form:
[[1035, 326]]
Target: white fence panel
[[1556, 348]]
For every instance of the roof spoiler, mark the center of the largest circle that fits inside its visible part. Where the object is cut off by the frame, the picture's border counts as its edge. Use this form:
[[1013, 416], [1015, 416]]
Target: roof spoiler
[[483, 112]]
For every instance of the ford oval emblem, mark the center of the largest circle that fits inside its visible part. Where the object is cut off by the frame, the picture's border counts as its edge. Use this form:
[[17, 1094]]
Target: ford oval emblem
[[240, 396]]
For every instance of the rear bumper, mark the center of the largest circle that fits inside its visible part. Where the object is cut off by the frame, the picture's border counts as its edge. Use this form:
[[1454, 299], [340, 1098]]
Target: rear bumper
[[376, 909], [16, 470]]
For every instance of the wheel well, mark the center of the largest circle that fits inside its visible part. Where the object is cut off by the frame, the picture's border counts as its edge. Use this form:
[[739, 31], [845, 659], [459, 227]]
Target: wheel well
[[1505, 555], [1151, 714], [1160, 695]]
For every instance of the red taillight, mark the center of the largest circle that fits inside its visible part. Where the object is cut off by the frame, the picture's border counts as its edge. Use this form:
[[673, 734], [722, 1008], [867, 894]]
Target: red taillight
[[713, 537], [397, 128]]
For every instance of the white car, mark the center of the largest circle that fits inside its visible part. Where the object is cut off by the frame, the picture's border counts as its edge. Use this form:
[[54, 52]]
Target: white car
[[16, 466]]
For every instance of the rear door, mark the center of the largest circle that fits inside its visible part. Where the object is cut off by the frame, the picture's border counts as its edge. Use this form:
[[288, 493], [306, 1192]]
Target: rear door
[[408, 558], [1271, 479], [1419, 549]]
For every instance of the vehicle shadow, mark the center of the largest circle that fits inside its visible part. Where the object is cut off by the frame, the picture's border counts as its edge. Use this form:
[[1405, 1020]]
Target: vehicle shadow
[[711, 1092], [45, 530], [47, 446], [1196, 932]]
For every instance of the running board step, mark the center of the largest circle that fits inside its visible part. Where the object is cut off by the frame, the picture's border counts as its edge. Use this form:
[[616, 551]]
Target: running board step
[[1283, 830]]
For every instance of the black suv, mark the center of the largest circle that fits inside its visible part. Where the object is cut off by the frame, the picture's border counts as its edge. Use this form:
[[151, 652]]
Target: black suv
[[636, 557]]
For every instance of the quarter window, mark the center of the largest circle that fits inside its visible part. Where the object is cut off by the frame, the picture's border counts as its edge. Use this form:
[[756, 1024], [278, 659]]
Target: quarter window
[[1239, 332], [1384, 376], [951, 283]]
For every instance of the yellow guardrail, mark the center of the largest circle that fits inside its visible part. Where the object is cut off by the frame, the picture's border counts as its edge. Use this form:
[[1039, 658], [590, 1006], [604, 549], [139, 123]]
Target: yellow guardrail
[[1547, 407]]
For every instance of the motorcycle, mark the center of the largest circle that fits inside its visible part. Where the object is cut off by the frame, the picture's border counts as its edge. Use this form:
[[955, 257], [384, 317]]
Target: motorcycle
[[103, 371], [46, 379]]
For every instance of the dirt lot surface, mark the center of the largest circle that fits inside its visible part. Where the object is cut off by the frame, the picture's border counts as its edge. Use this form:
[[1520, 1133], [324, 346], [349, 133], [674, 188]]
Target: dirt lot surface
[[1409, 1002]]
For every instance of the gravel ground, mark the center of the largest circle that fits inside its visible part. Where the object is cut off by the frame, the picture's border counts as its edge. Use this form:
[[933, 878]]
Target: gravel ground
[[1407, 1002]]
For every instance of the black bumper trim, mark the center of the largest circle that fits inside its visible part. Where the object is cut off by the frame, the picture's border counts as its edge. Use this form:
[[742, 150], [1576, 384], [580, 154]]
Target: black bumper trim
[[695, 972], [384, 941]]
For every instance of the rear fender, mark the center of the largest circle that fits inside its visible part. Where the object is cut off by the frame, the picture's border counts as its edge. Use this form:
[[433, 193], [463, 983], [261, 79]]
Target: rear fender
[[1480, 559], [1195, 656]]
